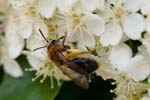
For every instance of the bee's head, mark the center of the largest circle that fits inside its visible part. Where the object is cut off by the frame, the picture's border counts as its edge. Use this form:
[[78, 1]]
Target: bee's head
[[54, 42]]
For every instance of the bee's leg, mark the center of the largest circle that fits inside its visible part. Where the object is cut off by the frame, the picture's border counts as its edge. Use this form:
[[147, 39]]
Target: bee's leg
[[73, 53], [66, 47]]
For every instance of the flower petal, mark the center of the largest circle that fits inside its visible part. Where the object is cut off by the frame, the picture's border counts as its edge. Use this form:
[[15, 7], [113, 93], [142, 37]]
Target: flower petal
[[91, 5], [35, 62], [39, 24], [25, 27], [15, 42], [145, 48], [12, 68], [133, 6], [120, 57], [87, 40], [139, 68], [33, 43], [148, 24], [65, 5], [112, 34], [116, 2], [145, 7], [47, 8], [145, 98], [81, 46], [74, 35], [133, 26], [94, 24]]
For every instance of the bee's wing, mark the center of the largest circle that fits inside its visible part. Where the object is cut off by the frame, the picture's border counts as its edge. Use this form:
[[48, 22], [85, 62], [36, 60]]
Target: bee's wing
[[87, 64], [80, 79], [73, 53]]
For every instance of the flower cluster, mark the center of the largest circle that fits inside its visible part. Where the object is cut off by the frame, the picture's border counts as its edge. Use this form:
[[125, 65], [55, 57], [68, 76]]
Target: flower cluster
[[117, 31]]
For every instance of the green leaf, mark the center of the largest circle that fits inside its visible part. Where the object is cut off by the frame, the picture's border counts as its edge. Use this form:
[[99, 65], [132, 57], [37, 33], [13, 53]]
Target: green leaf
[[24, 89]]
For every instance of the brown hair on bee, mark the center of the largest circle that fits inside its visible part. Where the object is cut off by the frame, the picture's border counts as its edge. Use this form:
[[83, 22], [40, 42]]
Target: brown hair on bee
[[78, 69]]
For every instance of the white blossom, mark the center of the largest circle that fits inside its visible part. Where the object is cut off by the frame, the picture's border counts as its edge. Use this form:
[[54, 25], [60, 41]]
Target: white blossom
[[8, 56], [44, 68], [145, 7], [145, 41], [82, 26], [101, 27], [124, 19], [146, 96], [136, 67], [47, 8]]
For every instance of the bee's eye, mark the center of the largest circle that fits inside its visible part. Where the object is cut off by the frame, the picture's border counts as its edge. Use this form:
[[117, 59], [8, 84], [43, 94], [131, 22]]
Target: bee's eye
[[53, 41]]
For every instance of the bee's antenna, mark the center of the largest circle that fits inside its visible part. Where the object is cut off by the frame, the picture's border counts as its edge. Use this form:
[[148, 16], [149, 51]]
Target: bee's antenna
[[40, 48], [43, 36]]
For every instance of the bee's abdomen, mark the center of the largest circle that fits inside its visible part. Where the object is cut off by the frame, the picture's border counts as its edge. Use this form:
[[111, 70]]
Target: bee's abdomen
[[87, 64]]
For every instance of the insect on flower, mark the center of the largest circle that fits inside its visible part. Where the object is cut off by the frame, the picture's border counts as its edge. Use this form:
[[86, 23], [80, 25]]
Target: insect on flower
[[62, 56]]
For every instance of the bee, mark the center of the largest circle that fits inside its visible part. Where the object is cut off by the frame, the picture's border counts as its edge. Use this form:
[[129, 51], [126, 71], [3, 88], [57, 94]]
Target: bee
[[62, 56]]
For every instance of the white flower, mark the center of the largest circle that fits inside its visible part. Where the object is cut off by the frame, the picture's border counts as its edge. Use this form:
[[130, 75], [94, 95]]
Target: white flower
[[14, 41], [112, 34], [45, 68], [8, 54], [130, 5], [127, 72], [147, 21], [146, 96], [125, 19], [91, 5], [145, 7], [133, 26], [12, 68], [146, 43], [47, 8], [23, 26], [93, 23], [136, 67], [22, 22], [82, 27]]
